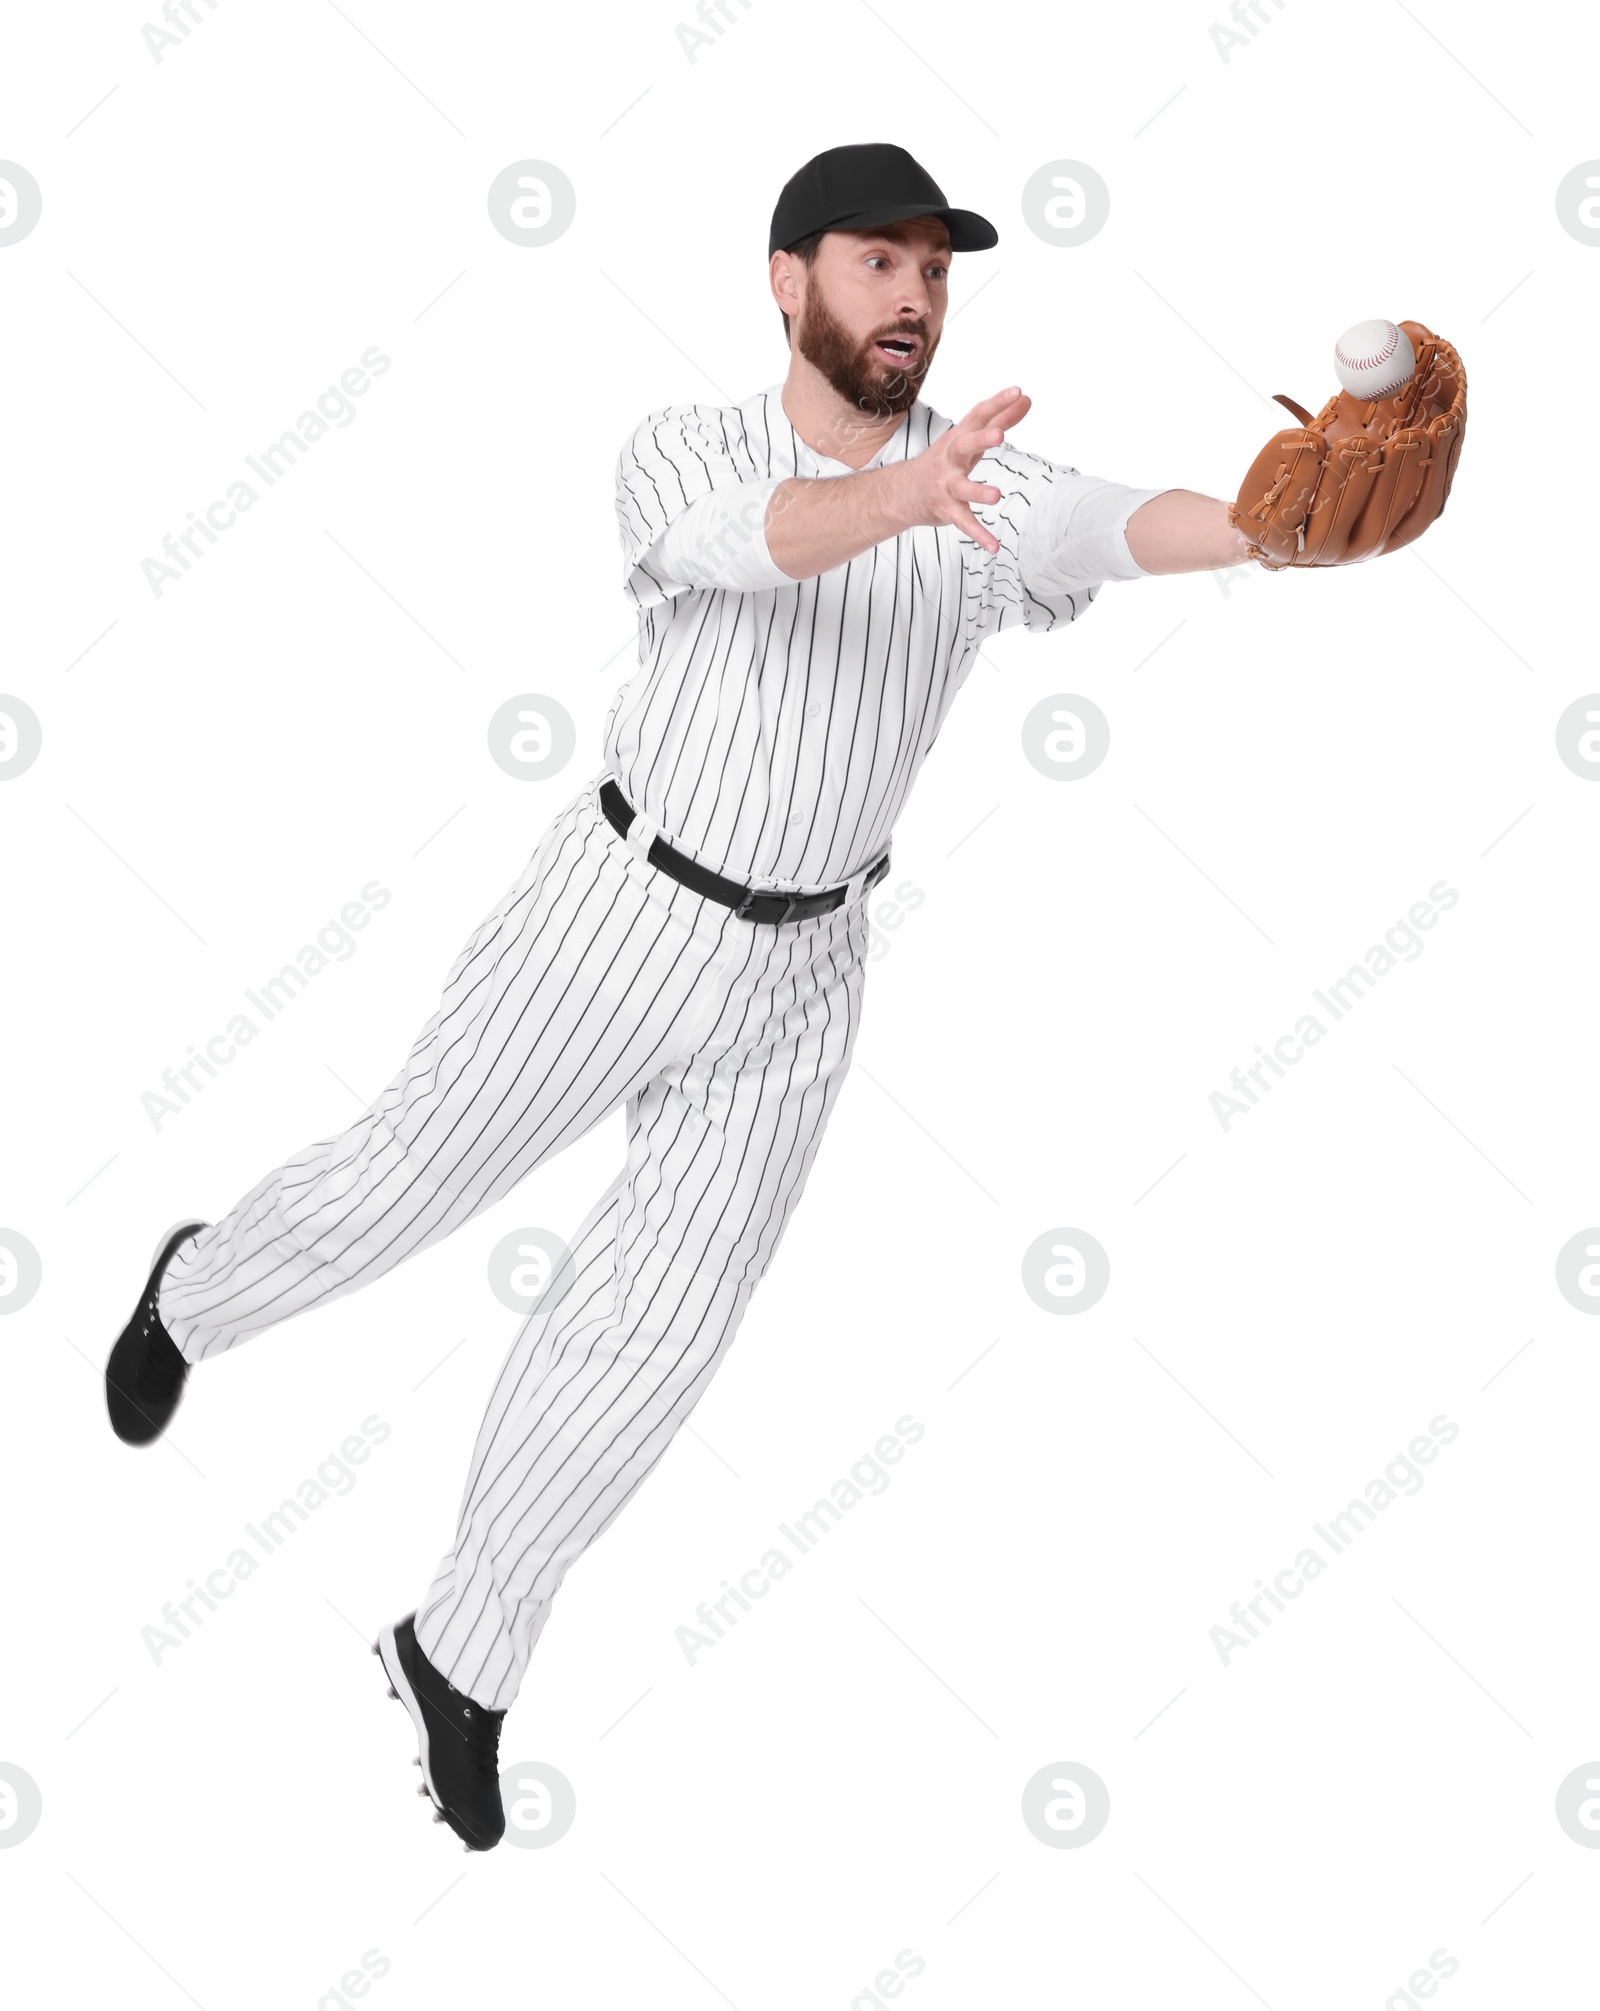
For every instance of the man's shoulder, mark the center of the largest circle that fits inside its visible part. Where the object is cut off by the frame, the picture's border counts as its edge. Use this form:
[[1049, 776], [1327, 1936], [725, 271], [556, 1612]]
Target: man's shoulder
[[673, 430], [1025, 466]]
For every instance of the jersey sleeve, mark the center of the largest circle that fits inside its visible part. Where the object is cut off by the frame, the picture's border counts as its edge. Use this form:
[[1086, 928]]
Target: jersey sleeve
[[1062, 536], [691, 506]]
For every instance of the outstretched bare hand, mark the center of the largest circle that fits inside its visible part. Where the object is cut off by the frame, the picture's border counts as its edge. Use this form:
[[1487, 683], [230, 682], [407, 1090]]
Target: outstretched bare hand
[[942, 488]]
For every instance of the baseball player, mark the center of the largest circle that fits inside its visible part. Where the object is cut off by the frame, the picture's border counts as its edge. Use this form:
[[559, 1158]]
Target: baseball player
[[813, 571]]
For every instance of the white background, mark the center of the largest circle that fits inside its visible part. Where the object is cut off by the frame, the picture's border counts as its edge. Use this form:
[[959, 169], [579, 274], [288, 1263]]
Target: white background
[[1295, 760]]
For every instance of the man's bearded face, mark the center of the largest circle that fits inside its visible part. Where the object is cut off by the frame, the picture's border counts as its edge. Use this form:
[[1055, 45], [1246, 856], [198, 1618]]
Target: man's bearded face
[[879, 374]]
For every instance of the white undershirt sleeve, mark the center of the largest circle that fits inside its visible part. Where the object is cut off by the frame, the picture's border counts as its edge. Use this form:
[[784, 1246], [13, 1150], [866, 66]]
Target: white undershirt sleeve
[[719, 541], [1075, 535]]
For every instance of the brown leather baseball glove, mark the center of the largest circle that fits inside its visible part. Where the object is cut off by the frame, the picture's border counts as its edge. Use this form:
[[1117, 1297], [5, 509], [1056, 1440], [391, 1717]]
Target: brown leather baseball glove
[[1364, 476]]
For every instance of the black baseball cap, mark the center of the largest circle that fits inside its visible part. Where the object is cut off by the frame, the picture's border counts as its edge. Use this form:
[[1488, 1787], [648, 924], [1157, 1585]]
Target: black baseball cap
[[855, 188]]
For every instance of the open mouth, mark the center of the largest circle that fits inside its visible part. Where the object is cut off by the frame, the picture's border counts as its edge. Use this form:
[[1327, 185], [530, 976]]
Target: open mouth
[[900, 349]]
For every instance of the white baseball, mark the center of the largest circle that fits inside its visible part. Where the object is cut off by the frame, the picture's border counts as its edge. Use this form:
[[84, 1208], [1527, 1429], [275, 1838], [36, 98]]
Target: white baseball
[[1374, 359]]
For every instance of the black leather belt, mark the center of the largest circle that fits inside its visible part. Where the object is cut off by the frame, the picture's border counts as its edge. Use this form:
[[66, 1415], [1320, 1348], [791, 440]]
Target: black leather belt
[[746, 902]]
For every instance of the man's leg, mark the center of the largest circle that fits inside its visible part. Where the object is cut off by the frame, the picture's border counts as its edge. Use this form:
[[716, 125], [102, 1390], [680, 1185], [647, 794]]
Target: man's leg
[[589, 975], [719, 1147]]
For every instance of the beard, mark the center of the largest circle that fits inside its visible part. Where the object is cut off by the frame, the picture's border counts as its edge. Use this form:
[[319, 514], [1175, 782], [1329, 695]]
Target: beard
[[865, 380]]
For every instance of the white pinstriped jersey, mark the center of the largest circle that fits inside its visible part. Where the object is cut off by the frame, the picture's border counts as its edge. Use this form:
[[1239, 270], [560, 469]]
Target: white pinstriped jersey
[[774, 731]]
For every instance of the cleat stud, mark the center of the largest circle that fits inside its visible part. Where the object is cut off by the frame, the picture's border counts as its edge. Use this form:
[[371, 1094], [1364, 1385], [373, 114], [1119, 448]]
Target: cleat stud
[[422, 1788], [438, 1815], [393, 1692]]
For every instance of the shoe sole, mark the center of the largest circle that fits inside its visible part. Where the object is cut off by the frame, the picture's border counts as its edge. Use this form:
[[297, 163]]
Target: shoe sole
[[185, 1227], [387, 1650]]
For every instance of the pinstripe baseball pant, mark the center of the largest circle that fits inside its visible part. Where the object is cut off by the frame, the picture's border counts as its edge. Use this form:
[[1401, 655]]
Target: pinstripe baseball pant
[[596, 981]]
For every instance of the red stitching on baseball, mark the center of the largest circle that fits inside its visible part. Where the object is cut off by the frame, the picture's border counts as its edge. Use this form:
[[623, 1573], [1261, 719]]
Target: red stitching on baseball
[[1378, 356]]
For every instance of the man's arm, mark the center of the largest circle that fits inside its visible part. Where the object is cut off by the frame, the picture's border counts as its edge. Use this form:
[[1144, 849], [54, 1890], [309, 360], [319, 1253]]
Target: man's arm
[[815, 524], [1181, 532]]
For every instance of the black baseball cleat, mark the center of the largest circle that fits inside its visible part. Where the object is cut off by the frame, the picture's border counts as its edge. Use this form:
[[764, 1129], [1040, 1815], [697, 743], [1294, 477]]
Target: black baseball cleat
[[145, 1373], [459, 1740]]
